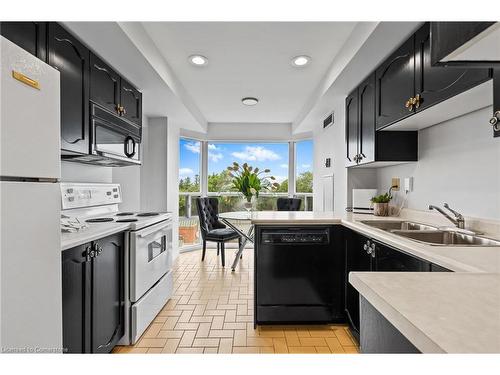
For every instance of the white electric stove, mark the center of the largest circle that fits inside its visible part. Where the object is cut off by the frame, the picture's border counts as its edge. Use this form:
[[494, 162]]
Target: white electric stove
[[90, 208]]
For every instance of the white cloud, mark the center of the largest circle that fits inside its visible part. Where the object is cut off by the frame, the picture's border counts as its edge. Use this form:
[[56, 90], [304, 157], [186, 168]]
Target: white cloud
[[306, 165], [211, 146], [215, 156], [194, 147], [284, 166], [258, 153], [184, 172]]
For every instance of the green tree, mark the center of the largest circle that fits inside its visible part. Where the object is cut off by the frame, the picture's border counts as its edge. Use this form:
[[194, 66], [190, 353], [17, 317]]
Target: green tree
[[304, 183]]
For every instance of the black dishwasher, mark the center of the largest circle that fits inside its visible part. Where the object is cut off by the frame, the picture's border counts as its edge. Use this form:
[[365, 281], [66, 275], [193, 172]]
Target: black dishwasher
[[298, 275]]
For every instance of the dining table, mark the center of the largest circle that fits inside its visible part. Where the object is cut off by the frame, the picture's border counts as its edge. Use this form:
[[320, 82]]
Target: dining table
[[241, 222]]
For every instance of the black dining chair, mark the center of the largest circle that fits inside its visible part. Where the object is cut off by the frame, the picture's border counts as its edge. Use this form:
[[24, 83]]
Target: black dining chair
[[211, 228], [288, 204]]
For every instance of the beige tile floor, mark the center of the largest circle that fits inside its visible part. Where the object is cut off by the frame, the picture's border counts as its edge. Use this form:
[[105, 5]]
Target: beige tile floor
[[211, 311]]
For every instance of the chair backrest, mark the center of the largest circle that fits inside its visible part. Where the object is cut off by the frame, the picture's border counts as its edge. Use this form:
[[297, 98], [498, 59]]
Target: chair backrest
[[288, 204], [208, 211]]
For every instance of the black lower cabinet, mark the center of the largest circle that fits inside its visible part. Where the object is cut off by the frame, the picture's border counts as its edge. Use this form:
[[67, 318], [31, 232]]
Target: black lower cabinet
[[76, 303], [93, 295], [356, 259], [379, 336], [363, 254]]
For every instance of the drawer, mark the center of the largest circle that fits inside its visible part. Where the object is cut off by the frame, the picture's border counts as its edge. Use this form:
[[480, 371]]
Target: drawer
[[145, 310]]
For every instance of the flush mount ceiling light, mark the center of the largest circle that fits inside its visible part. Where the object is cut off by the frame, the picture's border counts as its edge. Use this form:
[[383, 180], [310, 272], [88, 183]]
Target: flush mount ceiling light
[[198, 60], [300, 61], [249, 101]]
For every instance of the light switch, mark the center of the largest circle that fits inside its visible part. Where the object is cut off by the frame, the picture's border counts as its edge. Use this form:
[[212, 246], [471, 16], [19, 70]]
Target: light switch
[[395, 184]]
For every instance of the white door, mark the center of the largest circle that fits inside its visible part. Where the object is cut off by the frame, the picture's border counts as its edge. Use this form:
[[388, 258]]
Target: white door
[[30, 115], [328, 193], [30, 266]]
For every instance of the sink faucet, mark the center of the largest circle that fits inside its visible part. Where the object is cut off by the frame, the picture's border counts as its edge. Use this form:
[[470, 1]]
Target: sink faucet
[[459, 220]]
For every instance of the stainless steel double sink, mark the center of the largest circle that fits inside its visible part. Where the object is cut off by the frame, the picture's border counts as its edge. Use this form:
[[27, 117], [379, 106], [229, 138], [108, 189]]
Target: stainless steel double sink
[[431, 235]]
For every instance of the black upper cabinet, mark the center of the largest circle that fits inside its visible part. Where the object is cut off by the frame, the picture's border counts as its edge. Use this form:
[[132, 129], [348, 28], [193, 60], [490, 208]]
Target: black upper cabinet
[[448, 38], [131, 102], [93, 295], [107, 294], [434, 84], [436, 268], [30, 36], [495, 120], [75, 295], [365, 144], [352, 127], [395, 84], [366, 98], [104, 85], [71, 58]]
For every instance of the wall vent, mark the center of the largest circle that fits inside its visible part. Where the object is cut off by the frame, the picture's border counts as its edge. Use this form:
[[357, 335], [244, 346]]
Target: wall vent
[[328, 121]]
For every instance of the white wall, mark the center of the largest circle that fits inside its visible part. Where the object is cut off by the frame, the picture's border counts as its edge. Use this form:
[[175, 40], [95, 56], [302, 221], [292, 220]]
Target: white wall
[[154, 167], [249, 131], [330, 143], [459, 163], [173, 134], [77, 172]]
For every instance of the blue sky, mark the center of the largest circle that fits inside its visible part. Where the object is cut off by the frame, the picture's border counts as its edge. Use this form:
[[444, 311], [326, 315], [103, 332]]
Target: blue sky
[[262, 155]]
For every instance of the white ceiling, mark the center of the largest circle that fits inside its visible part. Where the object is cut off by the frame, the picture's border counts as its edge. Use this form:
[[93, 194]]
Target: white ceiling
[[249, 59]]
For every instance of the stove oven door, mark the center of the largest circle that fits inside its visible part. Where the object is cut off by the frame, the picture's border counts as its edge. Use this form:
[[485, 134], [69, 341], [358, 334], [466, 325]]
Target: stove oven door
[[150, 257]]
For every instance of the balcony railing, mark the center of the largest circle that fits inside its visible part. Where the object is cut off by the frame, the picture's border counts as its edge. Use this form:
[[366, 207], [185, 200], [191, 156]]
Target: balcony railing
[[229, 201]]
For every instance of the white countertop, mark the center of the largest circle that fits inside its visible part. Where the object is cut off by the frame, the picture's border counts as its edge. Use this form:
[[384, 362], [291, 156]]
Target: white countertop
[[93, 232], [455, 258], [440, 312]]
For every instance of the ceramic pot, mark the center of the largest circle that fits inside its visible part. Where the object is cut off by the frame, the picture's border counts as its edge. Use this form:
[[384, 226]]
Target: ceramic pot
[[381, 209]]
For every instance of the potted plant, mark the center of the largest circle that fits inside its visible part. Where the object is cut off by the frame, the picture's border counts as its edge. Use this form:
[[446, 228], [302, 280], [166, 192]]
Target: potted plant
[[381, 204], [250, 182]]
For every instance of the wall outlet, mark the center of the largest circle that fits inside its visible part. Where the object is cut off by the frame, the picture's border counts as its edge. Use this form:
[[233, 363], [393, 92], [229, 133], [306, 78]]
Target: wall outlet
[[408, 184], [395, 183]]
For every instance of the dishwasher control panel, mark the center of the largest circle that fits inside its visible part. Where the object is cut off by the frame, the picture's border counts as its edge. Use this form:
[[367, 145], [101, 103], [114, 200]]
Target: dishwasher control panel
[[305, 236]]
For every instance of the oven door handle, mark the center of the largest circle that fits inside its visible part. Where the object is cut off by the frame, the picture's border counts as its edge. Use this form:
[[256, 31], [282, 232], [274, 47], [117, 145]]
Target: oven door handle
[[154, 246]]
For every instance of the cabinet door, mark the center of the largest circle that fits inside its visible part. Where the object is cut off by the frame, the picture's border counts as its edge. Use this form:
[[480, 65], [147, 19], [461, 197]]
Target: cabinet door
[[496, 99], [30, 36], [351, 127], [437, 83], [395, 85], [104, 84], [131, 101], [71, 58], [356, 259], [436, 268], [107, 293], [367, 120], [392, 260], [75, 299]]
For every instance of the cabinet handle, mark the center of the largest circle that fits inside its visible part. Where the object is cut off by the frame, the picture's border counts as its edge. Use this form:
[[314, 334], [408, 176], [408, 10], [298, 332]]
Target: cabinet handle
[[416, 101], [495, 121], [409, 104]]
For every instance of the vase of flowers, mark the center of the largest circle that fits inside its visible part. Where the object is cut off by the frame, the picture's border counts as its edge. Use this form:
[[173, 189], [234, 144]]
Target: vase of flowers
[[250, 182], [381, 204]]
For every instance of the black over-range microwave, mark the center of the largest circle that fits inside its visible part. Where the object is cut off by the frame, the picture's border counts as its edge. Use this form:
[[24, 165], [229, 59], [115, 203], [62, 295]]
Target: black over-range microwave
[[115, 141]]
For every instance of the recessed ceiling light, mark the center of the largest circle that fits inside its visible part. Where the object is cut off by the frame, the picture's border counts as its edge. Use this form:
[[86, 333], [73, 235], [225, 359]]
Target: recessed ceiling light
[[249, 101], [301, 60], [198, 60]]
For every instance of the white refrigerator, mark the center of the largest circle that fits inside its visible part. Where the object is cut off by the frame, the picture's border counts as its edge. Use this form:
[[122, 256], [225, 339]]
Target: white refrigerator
[[30, 170]]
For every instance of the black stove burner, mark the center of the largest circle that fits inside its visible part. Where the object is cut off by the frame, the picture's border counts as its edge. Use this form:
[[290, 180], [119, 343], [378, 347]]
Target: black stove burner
[[126, 220], [125, 214], [99, 220], [148, 214]]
